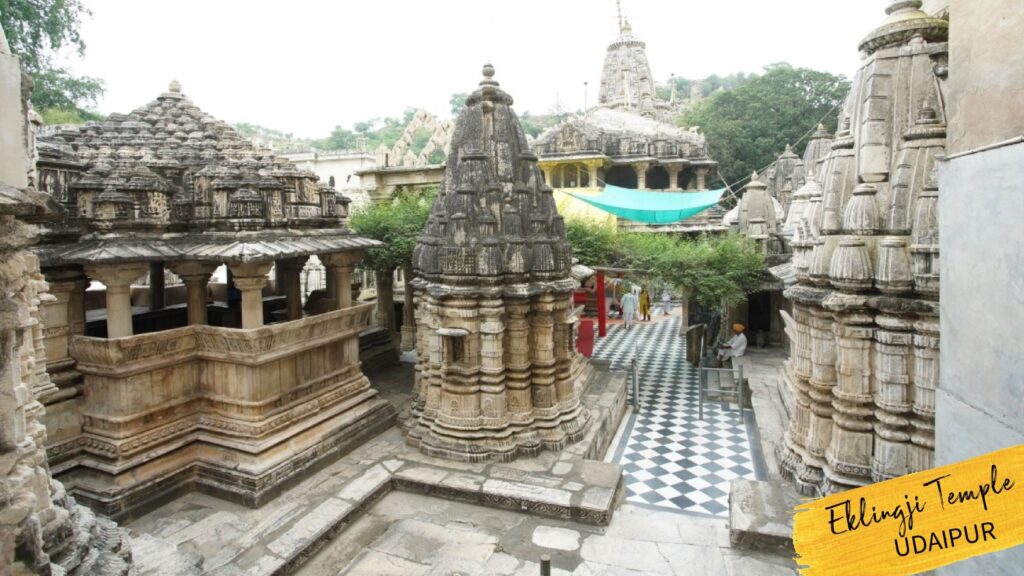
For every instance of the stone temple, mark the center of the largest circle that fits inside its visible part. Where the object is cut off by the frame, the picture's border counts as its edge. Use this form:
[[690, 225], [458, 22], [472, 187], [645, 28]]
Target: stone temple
[[865, 330], [628, 139], [498, 373], [231, 389]]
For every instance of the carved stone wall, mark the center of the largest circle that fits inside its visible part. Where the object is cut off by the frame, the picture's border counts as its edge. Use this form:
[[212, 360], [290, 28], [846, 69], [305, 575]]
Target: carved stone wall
[[232, 412], [498, 373], [42, 529], [865, 333]]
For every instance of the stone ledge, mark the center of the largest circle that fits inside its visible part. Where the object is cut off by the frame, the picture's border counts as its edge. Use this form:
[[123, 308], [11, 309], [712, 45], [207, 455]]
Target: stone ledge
[[761, 516]]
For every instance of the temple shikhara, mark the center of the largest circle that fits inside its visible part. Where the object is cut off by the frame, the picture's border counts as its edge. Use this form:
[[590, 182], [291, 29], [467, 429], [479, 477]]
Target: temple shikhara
[[498, 372], [203, 369]]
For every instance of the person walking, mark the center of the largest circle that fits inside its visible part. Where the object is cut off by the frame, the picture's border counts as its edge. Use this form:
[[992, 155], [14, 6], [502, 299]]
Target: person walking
[[666, 301], [630, 305], [645, 305]]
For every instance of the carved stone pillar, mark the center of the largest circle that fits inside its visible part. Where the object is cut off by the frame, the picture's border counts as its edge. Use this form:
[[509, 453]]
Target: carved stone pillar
[[702, 174], [798, 373], [517, 368], [63, 316], [340, 266], [823, 380], [196, 277], [849, 453], [542, 351], [673, 175], [592, 168], [641, 174], [564, 350], [893, 397], [408, 318], [492, 356], [291, 269], [118, 279], [250, 278], [156, 285], [926, 381], [386, 300]]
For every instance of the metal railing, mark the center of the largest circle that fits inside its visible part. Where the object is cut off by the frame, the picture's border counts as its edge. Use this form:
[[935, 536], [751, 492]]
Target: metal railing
[[634, 370], [738, 392]]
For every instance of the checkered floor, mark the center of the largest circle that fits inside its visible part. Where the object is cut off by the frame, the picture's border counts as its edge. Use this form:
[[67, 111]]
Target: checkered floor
[[671, 458]]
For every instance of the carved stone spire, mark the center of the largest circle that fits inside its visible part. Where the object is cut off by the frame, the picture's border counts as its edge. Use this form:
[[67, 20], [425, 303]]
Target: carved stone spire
[[496, 356], [493, 222]]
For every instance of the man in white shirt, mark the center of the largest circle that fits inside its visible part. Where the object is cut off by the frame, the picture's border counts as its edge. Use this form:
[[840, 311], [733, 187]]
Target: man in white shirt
[[736, 347], [630, 306]]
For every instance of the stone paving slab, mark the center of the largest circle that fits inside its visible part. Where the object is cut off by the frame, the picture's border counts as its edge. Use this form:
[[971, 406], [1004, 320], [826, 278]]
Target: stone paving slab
[[283, 534], [761, 516]]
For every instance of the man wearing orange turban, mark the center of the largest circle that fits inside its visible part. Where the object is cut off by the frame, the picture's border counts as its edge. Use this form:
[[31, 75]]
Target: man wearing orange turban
[[736, 347]]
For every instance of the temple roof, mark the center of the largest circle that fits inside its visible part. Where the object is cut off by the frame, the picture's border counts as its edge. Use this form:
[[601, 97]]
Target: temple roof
[[618, 133], [211, 247], [493, 223], [168, 180]]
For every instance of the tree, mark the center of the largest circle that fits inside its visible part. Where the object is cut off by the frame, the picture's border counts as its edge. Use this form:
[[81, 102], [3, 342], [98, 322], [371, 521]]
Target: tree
[[747, 127], [36, 30], [457, 101], [340, 139], [397, 224], [715, 271], [592, 243]]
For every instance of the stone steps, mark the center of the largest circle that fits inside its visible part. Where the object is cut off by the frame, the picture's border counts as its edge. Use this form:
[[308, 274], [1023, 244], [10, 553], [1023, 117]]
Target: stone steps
[[155, 557], [761, 516]]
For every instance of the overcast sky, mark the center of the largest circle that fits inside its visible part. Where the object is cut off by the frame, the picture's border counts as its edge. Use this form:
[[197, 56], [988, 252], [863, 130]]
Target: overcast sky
[[304, 66]]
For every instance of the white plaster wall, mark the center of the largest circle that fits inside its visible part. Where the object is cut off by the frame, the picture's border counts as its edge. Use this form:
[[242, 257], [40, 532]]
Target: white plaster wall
[[980, 403], [343, 168]]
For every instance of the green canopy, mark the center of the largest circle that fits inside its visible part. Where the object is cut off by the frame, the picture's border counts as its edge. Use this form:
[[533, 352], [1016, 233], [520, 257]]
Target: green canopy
[[651, 207]]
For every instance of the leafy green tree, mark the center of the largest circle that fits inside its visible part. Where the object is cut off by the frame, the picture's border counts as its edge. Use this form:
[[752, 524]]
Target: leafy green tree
[[592, 243], [747, 127], [714, 83], [36, 30], [397, 224], [340, 139], [715, 271], [457, 101]]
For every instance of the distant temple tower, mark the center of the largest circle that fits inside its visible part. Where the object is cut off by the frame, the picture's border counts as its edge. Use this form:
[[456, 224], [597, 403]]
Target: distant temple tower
[[498, 373], [626, 81]]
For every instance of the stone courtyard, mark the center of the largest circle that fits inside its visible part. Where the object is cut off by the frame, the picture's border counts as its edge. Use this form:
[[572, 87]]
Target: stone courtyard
[[193, 382], [387, 509]]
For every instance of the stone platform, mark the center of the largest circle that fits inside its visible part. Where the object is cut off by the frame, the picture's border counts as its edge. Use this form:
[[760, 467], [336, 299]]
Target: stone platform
[[282, 535]]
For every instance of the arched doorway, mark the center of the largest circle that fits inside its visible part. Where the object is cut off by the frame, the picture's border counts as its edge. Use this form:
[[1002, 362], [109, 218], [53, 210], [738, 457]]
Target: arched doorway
[[622, 176], [657, 178], [684, 179]]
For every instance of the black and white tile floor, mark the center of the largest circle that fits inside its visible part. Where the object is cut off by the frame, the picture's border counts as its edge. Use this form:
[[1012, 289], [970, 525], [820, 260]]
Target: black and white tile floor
[[671, 458]]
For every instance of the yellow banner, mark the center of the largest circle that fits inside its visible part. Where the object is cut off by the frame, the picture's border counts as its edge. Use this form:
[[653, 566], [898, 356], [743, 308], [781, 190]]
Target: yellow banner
[[916, 522]]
